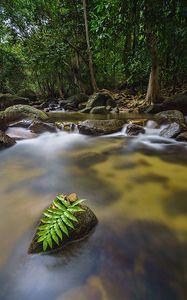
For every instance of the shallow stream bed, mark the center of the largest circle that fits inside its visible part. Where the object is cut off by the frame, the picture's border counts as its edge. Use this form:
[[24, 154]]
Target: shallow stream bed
[[136, 187]]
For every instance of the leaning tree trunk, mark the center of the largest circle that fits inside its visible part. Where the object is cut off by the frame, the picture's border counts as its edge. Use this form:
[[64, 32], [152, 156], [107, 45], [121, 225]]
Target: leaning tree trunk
[[91, 69], [153, 90]]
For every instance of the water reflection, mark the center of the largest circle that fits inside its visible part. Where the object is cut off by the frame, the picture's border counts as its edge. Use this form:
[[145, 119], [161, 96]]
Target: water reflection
[[138, 250]]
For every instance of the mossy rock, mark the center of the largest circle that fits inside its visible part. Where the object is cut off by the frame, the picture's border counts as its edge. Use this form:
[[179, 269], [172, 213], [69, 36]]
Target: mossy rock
[[7, 100], [86, 223], [170, 116], [18, 112]]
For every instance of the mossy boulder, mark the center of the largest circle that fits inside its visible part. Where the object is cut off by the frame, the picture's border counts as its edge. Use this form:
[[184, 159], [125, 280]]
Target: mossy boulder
[[100, 127], [170, 116], [18, 112], [86, 223], [5, 140], [7, 100]]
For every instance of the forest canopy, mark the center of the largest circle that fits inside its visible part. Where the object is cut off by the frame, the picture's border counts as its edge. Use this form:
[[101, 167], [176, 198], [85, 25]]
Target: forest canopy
[[44, 45]]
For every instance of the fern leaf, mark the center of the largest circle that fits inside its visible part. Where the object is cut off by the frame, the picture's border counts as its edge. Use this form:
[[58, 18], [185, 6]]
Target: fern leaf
[[70, 216], [67, 222], [78, 201], [58, 231], [54, 236], [41, 238], [44, 245], [59, 206], [63, 227], [58, 218], [49, 240], [65, 202], [75, 209]]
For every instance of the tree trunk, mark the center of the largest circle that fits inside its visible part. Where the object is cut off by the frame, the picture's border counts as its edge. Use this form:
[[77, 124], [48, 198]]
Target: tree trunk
[[153, 90], [91, 69]]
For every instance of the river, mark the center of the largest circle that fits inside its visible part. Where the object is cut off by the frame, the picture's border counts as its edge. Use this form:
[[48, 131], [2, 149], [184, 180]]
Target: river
[[137, 189]]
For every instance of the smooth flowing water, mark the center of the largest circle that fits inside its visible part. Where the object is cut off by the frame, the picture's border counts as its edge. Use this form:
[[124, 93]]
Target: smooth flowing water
[[136, 187]]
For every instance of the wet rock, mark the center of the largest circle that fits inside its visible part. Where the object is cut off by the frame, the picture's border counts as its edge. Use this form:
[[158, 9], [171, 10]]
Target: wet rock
[[85, 110], [41, 127], [170, 116], [7, 100], [28, 93], [99, 110], [171, 131], [103, 98], [67, 126], [182, 137], [18, 112], [134, 129], [86, 222], [100, 127], [5, 140]]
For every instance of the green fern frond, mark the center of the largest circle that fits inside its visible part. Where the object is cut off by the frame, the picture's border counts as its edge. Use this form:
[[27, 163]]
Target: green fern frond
[[57, 219]]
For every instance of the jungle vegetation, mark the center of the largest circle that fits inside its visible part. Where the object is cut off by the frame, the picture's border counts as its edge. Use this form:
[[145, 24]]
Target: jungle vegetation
[[62, 47]]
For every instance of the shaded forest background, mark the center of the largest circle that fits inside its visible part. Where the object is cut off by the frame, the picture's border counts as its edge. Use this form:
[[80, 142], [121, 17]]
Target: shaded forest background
[[44, 46]]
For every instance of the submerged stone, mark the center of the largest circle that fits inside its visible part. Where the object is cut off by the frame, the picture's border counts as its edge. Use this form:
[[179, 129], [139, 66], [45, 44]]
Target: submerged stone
[[86, 222]]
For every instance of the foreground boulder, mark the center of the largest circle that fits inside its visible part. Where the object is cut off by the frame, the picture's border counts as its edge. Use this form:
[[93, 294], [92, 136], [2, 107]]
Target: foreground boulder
[[100, 127], [86, 222], [171, 131], [41, 127], [170, 116], [18, 112], [134, 129], [7, 100], [5, 140]]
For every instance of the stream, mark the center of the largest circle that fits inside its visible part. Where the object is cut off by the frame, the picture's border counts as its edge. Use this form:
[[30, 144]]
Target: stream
[[137, 189]]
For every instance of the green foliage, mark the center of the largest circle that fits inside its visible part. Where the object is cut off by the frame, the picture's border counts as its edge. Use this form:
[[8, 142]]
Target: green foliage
[[58, 218], [44, 43]]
